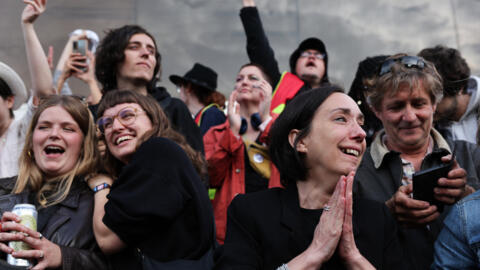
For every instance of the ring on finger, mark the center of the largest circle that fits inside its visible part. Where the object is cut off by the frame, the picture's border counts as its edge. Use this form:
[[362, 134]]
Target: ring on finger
[[326, 208], [41, 254], [40, 236]]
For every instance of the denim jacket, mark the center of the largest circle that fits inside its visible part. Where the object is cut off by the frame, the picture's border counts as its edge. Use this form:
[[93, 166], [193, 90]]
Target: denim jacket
[[458, 245]]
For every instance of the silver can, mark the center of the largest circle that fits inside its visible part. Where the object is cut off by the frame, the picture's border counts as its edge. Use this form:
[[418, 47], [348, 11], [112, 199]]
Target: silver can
[[28, 214]]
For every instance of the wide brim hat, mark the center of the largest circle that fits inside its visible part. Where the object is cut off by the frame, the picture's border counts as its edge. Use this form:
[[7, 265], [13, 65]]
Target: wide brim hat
[[311, 43], [15, 83], [199, 75]]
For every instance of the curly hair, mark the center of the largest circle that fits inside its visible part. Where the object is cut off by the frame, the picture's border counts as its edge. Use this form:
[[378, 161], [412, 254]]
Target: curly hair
[[160, 128], [451, 66], [32, 178], [110, 53]]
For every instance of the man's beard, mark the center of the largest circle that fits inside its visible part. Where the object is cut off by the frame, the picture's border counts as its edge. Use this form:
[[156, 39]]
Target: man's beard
[[448, 115]]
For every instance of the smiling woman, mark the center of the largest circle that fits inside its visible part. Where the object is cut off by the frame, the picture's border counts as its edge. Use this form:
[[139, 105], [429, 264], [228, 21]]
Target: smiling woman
[[59, 153], [314, 223], [157, 205]]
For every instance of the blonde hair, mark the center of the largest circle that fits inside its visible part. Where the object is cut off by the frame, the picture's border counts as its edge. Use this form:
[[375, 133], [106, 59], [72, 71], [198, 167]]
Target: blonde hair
[[53, 191], [400, 76]]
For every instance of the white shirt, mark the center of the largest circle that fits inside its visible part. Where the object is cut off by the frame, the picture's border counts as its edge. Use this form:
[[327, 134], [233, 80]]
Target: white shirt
[[11, 143]]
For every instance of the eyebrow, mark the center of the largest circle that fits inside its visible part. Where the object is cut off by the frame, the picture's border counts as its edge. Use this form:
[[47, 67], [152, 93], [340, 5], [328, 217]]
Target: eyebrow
[[140, 43], [347, 111]]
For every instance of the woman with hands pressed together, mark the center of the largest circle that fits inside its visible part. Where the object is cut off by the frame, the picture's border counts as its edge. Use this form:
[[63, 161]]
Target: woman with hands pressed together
[[236, 151], [59, 153], [315, 222]]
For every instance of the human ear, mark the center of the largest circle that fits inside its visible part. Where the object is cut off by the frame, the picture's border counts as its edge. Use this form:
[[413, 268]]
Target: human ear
[[292, 138]]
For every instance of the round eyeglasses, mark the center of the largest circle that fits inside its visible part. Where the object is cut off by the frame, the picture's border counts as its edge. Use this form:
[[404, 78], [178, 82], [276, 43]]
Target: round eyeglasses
[[126, 116]]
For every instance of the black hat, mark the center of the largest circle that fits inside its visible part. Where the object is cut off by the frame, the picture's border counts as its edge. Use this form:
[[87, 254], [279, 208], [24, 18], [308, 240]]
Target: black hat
[[199, 75], [310, 44]]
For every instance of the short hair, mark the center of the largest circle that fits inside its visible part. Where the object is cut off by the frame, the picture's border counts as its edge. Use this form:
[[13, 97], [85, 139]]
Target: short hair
[[298, 114], [451, 66], [400, 76], [262, 71], [206, 96], [32, 178], [160, 128], [111, 53]]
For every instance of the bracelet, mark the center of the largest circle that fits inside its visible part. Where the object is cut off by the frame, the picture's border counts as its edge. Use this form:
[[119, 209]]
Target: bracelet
[[283, 267], [100, 187]]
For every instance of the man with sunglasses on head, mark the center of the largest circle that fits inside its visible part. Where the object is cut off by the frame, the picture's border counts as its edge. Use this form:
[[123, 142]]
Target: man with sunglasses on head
[[308, 63], [404, 96], [457, 114]]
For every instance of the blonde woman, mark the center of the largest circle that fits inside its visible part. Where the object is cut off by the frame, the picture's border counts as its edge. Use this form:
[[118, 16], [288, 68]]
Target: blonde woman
[[59, 153]]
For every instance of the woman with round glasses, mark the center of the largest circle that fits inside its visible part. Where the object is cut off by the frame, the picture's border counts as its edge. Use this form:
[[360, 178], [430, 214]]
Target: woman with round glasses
[[157, 205], [238, 160], [59, 154], [314, 222]]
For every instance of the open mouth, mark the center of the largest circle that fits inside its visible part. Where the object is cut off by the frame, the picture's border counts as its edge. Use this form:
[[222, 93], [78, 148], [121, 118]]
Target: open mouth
[[53, 150], [123, 139], [351, 152], [311, 64]]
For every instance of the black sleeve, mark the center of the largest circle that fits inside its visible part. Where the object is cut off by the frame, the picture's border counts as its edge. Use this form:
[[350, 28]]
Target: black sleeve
[[393, 256], [241, 249], [182, 121], [150, 191], [76, 258], [258, 47], [211, 117]]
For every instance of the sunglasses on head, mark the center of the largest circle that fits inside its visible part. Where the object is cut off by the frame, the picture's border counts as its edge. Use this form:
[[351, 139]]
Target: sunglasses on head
[[407, 61]]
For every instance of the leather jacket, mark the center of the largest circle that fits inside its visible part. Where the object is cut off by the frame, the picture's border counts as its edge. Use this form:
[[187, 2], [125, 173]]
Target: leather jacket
[[69, 226]]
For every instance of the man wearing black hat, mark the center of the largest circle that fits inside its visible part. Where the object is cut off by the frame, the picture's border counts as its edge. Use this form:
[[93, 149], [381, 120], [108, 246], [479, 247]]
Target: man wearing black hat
[[308, 63], [198, 90]]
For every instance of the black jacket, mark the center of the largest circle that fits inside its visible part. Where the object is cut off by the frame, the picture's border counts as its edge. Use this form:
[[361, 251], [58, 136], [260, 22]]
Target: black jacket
[[68, 225], [266, 229]]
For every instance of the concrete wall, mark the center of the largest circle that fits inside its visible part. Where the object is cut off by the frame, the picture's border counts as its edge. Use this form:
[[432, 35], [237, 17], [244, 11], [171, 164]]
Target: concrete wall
[[210, 31]]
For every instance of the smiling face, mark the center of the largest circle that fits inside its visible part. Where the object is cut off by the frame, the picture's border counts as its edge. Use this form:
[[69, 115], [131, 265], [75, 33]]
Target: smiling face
[[139, 63], [336, 141], [122, 139], [247, 79], [57, 141], [407, 118], [310, 68]]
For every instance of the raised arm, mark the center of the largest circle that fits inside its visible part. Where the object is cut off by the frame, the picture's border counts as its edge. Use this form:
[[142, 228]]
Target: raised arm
[[258, 48], [40, 73]]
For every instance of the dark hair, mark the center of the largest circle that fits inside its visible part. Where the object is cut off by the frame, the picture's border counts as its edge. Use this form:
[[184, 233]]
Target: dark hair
[[110, 53], [160, 128], [298, 114], [6, 92], [451, 66], [206, 96], [262, 70]]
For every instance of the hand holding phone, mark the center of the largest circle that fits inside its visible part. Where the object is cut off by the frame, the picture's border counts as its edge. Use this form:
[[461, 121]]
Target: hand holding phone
[[80, 46], [426, 180]]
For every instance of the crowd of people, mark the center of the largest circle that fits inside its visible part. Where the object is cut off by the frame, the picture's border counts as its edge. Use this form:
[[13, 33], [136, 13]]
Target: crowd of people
[[288, 172]]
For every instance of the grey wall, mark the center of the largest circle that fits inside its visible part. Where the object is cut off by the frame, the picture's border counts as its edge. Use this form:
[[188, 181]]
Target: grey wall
[[210, 32]]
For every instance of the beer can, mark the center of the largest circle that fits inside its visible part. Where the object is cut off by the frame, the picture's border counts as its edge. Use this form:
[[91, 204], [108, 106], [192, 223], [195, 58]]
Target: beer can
[[28, 214]]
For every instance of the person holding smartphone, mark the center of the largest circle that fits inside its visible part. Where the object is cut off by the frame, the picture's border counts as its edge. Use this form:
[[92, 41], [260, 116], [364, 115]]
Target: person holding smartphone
[[403, 95]]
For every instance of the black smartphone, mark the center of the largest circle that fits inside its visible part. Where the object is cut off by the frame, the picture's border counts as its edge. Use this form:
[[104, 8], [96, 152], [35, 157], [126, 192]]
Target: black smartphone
[[426, 180], [80, 46]]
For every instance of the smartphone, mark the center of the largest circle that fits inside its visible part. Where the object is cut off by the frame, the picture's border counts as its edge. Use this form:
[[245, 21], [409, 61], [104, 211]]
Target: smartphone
[[426, 180], [80, 46]]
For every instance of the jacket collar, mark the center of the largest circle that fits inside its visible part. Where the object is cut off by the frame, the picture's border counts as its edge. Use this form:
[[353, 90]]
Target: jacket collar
[[379, 151]]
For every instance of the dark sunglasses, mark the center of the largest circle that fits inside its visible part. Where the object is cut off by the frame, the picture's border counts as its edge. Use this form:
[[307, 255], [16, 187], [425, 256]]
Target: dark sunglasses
[[408, 61]]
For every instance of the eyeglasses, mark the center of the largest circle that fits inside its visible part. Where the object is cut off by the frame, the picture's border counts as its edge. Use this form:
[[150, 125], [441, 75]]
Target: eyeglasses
[[126, 117], [407, 60], [317, 55]]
